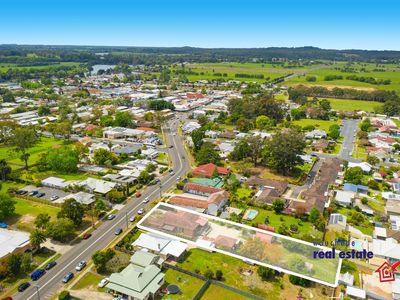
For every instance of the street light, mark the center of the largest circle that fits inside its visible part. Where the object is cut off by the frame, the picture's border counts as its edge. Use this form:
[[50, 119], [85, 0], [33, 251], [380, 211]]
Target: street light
[[160, 189], [37, 291]]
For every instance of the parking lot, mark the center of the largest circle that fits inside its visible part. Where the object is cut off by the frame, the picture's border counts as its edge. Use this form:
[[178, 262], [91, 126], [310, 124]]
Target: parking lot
[[49, 193]]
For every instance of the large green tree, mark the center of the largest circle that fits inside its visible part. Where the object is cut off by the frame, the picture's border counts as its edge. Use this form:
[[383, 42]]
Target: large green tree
[[5, 169], [72, 210], [64, 159], [61, 229], [7, 206], [207, 154], [37, 237], [197, 136], [282, 152], [23, 139]]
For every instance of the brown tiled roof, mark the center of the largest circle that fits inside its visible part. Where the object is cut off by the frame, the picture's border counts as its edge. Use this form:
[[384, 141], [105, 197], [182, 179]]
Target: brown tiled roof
[[201, 188], [225, 241], [279, 185], [186, 201]]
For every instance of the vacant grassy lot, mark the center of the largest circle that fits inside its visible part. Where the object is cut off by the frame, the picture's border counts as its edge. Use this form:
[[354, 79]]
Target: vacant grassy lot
[[90, 279], [350, 105], [217, 292], [391, 72], [45, 143], [319, 124], [189, 285]]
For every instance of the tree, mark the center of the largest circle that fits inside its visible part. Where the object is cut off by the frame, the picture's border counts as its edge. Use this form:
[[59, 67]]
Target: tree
[[256, 146], [207, 154], [209, 274], [5, 169], [43, 110], [160, 105], [197, 136], [373, 160], [72, 210], [145, 177], [64, 160], [104, 157], [354, 175], [219, 275], [366, 125], [116, 196], [282, 152], [278, 205], [42, 220], [334, 131], [37, 237], [265, 273], [14, 264], [314, 215], [23, 139], [7, 206], [244, 125], [61, 229], [299, 281], [123, 119], [320, 223], [264, 123], [241, 151], [100, 258]]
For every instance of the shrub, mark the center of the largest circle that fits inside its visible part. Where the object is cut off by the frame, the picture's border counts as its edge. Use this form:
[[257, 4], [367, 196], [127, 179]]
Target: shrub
[[64, 295]]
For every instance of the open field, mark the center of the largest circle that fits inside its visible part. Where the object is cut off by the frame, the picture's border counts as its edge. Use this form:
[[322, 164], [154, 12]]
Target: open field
[[208, 71], [319, 124], [392, 72], [189, 285], [90, 279], [217, 292], [346, 104]]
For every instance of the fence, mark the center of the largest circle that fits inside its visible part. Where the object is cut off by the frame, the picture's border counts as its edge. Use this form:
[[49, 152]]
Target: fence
[[207, 283]]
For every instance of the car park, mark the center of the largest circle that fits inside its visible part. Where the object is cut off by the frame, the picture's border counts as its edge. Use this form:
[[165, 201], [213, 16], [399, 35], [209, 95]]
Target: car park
[[37, 274], [22, 287], [118, 231], [86, 236], [68, 277], [103, 282], [50, 265], [140, 211], [111, 217], [81, 265]]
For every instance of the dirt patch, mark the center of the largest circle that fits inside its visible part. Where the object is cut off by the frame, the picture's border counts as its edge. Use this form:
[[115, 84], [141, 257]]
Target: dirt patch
[[26, 219], [87, 294]]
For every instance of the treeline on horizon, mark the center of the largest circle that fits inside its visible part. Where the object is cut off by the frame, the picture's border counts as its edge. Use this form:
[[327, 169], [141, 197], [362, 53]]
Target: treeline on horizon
[[22, 54]]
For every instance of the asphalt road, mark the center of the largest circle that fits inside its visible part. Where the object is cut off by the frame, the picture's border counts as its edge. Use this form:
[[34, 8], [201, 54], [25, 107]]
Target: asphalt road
[[348, 131], [50, 283]]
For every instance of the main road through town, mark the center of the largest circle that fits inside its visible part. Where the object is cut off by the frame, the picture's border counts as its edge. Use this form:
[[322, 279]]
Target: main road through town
[[50, 283]]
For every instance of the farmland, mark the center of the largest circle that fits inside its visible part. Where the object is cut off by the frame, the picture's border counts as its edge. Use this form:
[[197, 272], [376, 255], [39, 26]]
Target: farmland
[[345, 104], [387, 71]]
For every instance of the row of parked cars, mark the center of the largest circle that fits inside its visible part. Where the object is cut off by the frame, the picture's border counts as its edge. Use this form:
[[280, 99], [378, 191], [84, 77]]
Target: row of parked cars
[[35, 193]]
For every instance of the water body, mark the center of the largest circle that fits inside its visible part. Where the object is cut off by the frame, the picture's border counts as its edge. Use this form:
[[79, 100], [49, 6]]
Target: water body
[[96, 68]]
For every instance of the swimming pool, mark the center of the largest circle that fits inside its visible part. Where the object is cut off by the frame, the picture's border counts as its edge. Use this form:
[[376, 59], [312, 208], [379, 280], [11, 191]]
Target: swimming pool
[[250, 214]]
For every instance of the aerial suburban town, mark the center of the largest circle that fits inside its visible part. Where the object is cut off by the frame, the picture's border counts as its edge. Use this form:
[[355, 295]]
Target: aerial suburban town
[[206, 173]]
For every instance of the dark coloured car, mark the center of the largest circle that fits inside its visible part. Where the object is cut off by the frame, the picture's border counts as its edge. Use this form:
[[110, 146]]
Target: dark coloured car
[[7, 298], [3, 225], [23, 286], [118, 231], [50, 265], [86, 236], [39, 195], [68, 277], [37, 274]]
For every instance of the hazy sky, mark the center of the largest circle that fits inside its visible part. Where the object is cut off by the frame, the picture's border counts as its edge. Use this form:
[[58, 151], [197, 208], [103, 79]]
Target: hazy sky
[[340, 24]]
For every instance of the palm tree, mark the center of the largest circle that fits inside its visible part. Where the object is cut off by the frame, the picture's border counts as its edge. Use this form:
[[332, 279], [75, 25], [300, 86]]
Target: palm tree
[[5, 169], [37, 237]]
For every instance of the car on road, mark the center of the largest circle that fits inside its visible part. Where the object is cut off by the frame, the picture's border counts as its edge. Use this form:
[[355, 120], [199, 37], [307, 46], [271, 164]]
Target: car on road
[[111, 217], [37, 274], [55, 197], [140, 211], [146, 200], [22, 287], [86, 236], [172, 173], [81, 265], [131, 219], [178, 178], [118, 231], [50, 265], [171, 146], [103, 282], [68, 277]]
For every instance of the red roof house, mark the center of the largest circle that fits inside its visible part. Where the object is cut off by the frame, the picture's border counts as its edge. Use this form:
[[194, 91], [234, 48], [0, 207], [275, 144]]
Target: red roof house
[[208, 170]]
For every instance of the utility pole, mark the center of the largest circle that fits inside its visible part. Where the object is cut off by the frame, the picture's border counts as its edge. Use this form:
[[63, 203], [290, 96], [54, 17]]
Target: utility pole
[[160, 189], [126, 219], [37, 291]]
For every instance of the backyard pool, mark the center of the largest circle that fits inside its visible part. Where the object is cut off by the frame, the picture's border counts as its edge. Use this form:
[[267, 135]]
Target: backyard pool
[[250, 214]]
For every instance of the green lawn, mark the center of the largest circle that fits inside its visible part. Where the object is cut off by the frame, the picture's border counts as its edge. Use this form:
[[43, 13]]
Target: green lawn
[[397, 122], [345, 104], [90, 279], [45, 143], [189, 285], [319, 124], [216, 292], [243, 193], [277, 220]]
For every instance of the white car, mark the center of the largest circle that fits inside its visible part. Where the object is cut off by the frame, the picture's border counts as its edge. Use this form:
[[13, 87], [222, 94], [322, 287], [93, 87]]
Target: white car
[[141, 211], [131, 219], [103, 282], [146, 200], [55, 197], [81, 265]]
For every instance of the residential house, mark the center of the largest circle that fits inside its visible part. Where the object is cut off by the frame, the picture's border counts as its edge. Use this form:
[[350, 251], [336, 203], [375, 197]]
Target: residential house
[[209, 169], [337, 222], [12, 241], [355, 188], [366, 167], [269, 189], [201, 190], [316, 134], [344, 198], [226, 243], [142, 279], [97, 185]]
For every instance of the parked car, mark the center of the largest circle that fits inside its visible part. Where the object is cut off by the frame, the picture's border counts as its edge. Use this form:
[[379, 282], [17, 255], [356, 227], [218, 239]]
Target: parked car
[[55, 197], [131, 219], [141, 211], [68, 277], [39, 195], [50, 265], [138, 194], [23, 287], [146, 200], [103, 282], [33, 193], [81, 265], [7, 298], [3, 225], [37, 274], [118, 231], [171, 146], [86, 236], [111, 217]]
